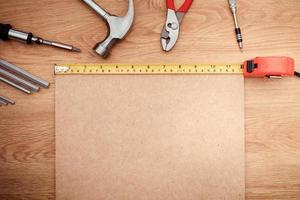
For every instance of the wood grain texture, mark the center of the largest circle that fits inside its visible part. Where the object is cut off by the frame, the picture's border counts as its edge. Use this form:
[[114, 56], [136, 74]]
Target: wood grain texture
[[270, 27]]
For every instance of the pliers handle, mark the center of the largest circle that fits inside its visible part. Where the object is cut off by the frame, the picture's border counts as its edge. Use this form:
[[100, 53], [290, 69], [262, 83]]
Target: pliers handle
[[184, 8], [171, 28]]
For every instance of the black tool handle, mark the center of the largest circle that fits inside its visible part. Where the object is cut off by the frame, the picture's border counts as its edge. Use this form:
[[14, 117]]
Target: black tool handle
[[4, 29], [238, 34]]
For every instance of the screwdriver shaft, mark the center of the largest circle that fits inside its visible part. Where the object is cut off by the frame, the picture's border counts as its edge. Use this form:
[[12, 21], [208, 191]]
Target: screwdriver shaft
[[39, 40]]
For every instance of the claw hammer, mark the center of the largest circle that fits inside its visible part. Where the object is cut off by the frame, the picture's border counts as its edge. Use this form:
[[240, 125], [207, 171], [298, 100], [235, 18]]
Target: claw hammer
[[118, 27]]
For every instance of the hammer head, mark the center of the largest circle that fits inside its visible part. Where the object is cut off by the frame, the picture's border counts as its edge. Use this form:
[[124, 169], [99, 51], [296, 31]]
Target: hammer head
[[118, 28]]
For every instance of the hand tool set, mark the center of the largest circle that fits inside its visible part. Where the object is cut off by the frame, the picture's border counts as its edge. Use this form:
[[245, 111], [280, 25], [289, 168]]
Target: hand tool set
[[118, 29], [20, 79]]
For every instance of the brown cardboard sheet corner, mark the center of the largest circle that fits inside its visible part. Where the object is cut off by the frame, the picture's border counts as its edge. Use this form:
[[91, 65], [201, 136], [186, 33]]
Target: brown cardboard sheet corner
[[150, 137]]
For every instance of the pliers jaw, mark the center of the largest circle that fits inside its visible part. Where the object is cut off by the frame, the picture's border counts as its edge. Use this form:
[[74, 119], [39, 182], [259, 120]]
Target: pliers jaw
[[170, 31]]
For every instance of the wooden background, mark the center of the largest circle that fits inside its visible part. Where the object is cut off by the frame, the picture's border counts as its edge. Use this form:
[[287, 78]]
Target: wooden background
[[270, 27]]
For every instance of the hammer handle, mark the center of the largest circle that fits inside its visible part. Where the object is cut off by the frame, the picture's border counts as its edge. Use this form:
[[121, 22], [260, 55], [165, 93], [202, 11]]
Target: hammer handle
[[98, 9]]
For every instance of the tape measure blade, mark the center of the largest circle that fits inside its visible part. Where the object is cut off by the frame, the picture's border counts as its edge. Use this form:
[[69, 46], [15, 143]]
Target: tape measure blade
[[127, 69]]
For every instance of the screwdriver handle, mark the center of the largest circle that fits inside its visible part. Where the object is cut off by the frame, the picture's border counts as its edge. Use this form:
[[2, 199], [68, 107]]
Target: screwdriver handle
[[6, 32], [4, 29]]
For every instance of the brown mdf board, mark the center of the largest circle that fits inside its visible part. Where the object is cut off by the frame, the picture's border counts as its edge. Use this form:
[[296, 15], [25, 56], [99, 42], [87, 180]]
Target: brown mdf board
[[148, 137]]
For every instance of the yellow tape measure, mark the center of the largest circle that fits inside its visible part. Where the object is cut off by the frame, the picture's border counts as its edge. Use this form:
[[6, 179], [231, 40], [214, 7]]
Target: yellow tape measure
[[132, 69]]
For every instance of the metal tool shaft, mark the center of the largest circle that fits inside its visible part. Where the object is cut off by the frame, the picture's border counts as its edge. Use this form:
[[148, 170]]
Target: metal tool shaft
[[39, 40], [19, 81], [2, 102], [29, 38], [23, 73], [7, 100], [8, 82], [97, 8]]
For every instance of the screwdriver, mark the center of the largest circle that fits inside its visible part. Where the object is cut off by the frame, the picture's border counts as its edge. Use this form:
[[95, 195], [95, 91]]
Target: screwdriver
[[7, 32], [233, 8]]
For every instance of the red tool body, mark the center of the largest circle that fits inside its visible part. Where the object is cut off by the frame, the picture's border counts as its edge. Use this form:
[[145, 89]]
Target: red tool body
[[171, 28], [184, 8], [269, 67]]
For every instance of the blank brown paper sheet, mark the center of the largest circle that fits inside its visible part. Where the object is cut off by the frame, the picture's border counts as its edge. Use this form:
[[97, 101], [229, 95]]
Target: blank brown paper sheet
[[150, 137]]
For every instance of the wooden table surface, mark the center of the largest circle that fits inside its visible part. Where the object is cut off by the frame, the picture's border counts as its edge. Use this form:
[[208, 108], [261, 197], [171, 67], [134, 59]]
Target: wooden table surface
[[270, 27]]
